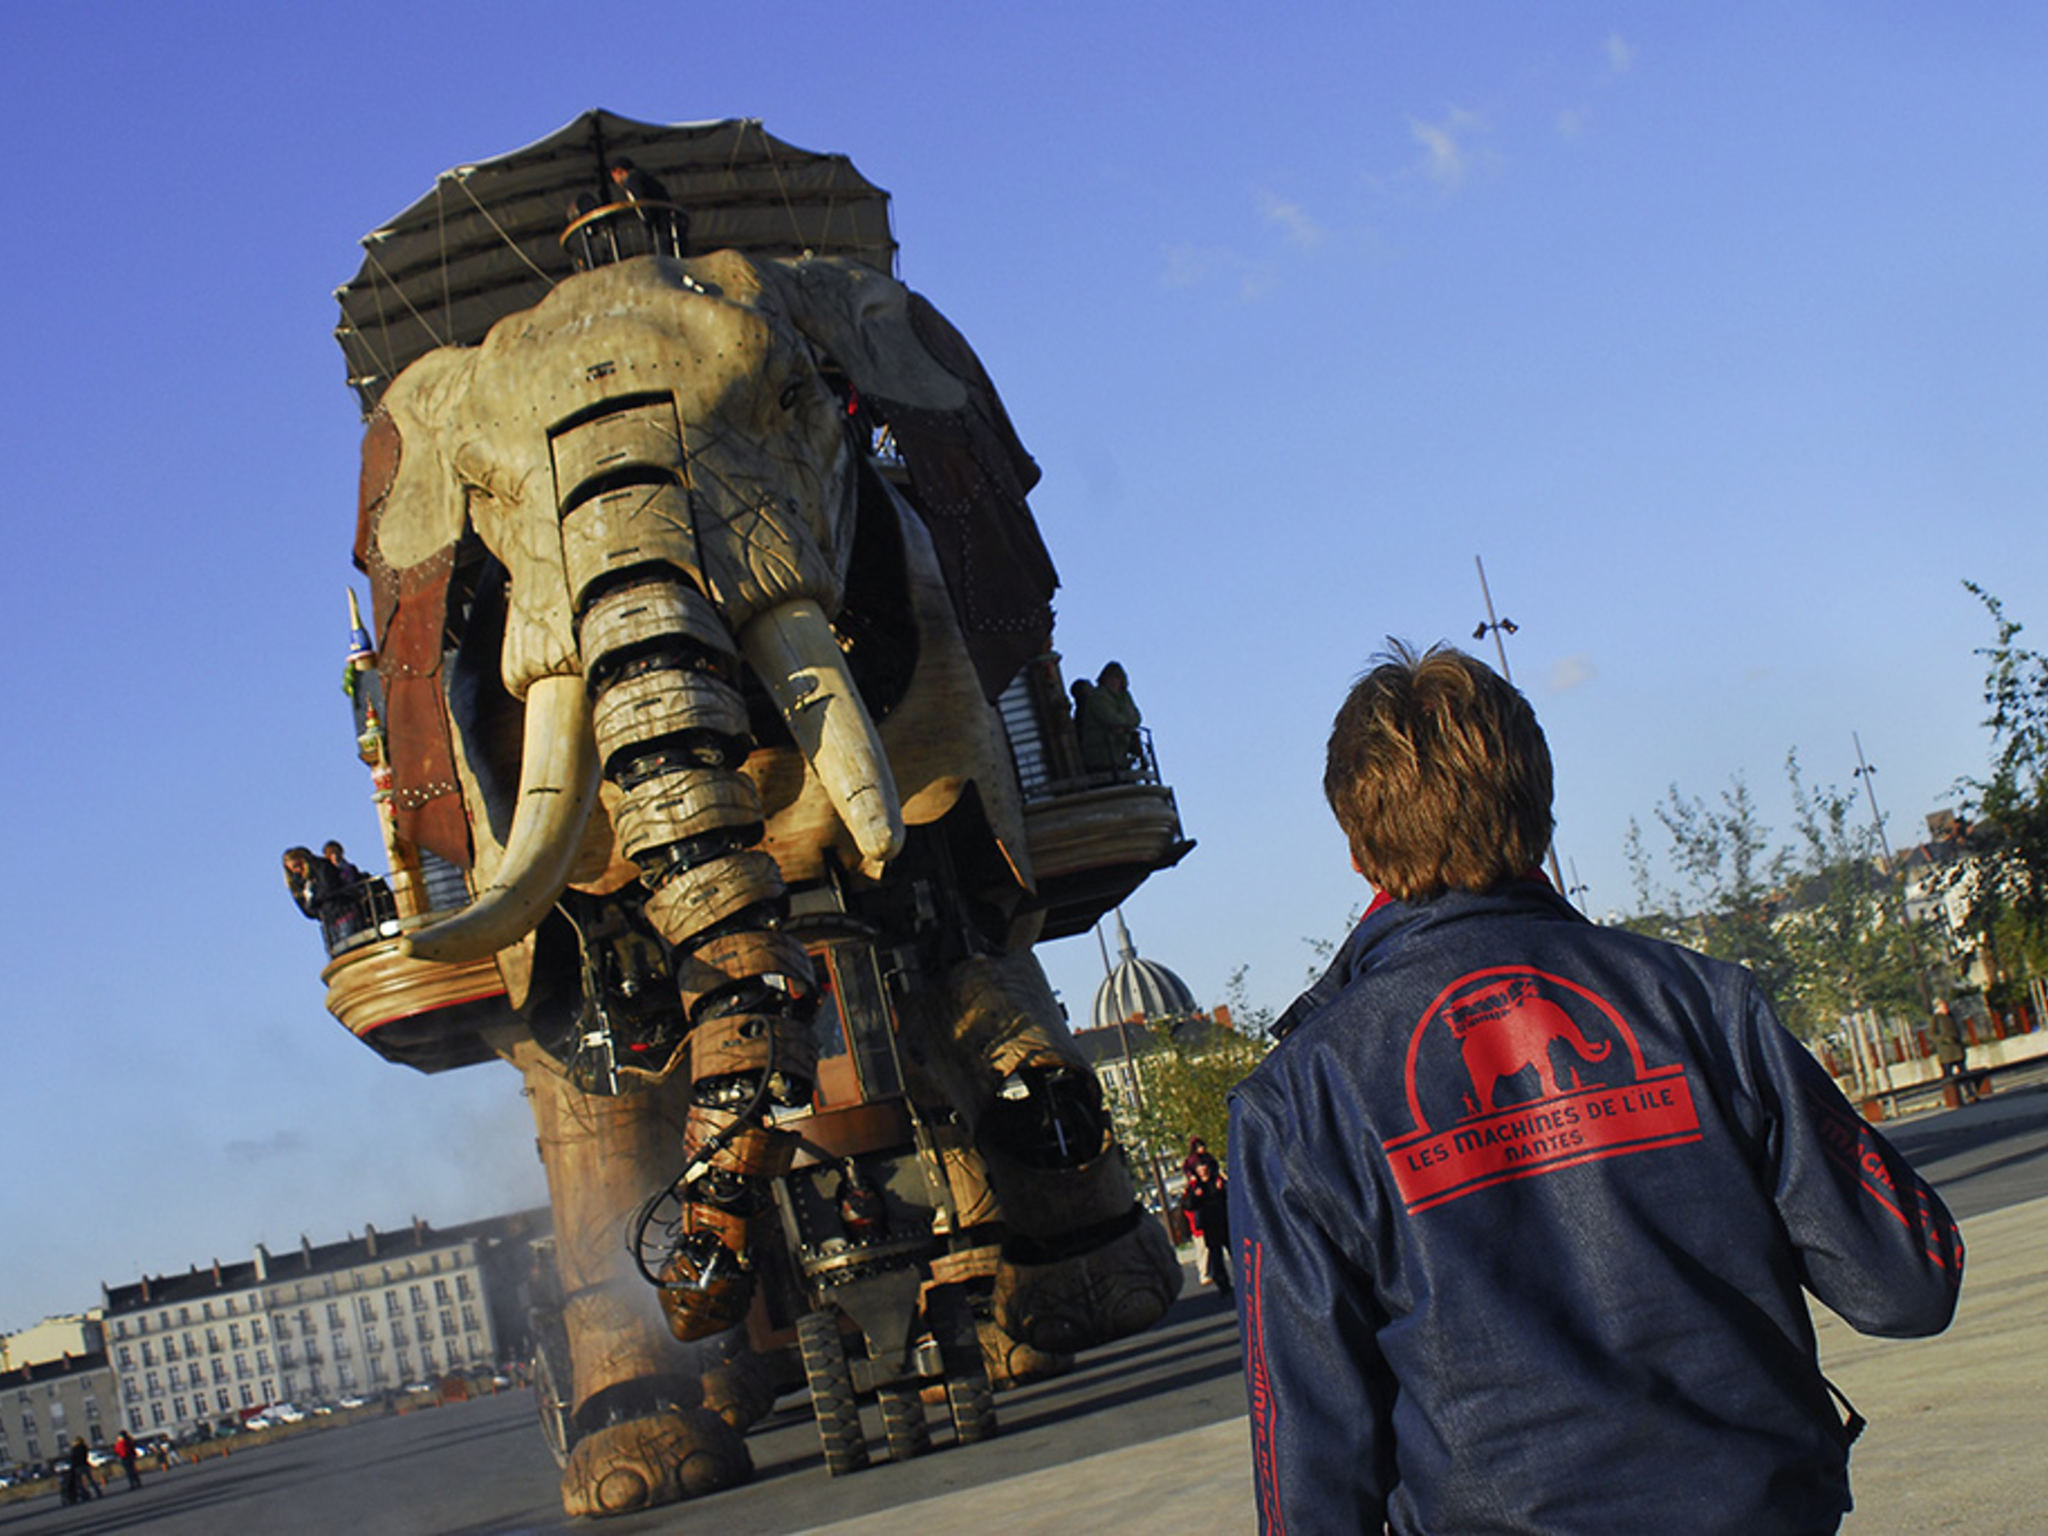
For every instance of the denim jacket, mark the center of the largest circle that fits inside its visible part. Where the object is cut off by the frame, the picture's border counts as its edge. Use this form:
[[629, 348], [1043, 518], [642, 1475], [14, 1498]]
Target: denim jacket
[[1524, 1210]]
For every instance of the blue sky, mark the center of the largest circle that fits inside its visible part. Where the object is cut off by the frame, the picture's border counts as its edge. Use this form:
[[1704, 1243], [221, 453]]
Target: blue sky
[[1718, 332]]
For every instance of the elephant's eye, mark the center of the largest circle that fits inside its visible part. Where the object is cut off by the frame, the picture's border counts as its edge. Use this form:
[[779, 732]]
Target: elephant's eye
[[790, 391]]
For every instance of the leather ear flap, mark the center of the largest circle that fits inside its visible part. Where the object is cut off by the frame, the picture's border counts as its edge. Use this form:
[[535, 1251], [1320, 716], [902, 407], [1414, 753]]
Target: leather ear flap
[[409, 521], [968, 471]]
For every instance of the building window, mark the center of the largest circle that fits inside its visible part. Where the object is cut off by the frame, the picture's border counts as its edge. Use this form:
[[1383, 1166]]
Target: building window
[[419, 1298], [262, 1359], [222, 1398], [170, 1349], [150, 1382], [376, 1371], [206, 1311], [469, 1319], [126, 1358], [269, 1394], [220, 1370], [234, 1335], [177, 1408], [184, 1316], [241, 1367], [247, 1394], [462, 1287], [256, 1330], [212, 1342], [441, 1292], [156, 1415], [365, 1309], [341, 1346], [370, 1340], [284, 1356], [120, 1330], [404, 1363], [391, 1304]]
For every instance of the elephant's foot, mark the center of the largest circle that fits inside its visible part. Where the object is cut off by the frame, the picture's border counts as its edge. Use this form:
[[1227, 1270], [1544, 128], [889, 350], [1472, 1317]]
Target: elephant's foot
[[1012, 1362], [679, 1453], [1076, 1301]]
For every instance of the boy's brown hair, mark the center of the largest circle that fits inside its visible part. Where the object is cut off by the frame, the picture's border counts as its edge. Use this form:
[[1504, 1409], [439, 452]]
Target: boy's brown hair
[[1439, 775]]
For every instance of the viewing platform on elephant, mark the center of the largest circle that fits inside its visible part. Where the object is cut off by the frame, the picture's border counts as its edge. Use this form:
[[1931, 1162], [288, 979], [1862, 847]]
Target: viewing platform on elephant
[[612, 232], [1094, 834], [421, 1014]]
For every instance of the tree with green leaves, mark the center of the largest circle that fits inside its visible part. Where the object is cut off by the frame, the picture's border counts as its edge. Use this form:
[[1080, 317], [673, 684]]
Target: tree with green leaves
[[1185, 1077], [1820, 924], [2006, 828], [1734, 881]]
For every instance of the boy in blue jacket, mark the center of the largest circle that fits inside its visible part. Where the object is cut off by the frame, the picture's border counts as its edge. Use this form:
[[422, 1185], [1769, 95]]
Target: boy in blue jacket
[[1524, 1207]]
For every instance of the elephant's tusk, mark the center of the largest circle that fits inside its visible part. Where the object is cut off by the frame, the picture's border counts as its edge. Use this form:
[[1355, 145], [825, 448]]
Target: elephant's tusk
[[557, 788], [793, 651]]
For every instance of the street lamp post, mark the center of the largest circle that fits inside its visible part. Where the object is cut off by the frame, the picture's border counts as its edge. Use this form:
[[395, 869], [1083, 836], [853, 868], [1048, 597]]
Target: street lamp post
[[1500, 627], [1868, 775]]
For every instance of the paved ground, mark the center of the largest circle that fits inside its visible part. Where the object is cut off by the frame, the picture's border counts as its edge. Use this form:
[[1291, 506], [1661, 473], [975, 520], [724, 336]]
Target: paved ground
[[1149, 1435]]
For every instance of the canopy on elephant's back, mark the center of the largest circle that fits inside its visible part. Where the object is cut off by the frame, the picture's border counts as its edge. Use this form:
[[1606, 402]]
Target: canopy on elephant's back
[[485, 242]]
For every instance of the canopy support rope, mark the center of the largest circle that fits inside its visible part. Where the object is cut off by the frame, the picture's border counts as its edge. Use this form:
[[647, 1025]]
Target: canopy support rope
[[517, 249], [411, 308]]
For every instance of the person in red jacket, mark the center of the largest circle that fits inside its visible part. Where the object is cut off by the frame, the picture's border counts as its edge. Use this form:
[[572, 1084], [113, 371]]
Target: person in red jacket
[[1524, 1207]]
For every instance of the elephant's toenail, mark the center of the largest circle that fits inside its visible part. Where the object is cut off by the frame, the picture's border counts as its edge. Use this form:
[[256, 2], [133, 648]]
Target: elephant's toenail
[[621, 1490]]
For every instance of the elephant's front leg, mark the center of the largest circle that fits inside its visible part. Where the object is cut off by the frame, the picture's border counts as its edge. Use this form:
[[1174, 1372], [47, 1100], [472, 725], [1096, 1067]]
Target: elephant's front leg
[[1082, 1263], [643, 1436]]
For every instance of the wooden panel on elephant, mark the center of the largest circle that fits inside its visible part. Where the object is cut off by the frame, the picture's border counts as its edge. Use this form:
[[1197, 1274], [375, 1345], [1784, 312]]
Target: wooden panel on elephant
[[663, 703], [754, 1152], [693, 899], [626, 527], [645, 433], [753, 1042], [1125, 824], [665, 810], [420, 1012], [736, 956], [833, 1135], [649, 611]]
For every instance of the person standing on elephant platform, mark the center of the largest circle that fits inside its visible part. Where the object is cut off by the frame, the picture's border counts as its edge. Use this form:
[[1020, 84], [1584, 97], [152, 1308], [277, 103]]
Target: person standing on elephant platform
[[1523, 1206], [1108, 720]]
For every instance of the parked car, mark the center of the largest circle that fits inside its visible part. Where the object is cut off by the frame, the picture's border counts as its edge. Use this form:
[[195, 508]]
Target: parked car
[[287, 1413], [259, 1422], [353, 1401]]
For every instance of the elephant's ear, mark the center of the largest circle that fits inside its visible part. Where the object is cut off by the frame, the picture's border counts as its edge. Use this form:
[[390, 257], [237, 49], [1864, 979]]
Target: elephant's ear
[[968, 471], [409, 520]]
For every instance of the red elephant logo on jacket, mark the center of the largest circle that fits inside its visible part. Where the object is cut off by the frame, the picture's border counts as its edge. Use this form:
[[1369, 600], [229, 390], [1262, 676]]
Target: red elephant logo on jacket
[[1510, 1028]]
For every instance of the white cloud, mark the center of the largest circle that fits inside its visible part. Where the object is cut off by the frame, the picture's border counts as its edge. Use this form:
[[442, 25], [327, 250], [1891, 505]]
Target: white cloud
[[1572, 671], [1449, 148], [1621, 56], [1294, 221], [1187, 266]]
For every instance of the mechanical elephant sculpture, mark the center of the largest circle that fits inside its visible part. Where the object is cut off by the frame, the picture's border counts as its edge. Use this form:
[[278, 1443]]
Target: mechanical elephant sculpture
[[674, 669]]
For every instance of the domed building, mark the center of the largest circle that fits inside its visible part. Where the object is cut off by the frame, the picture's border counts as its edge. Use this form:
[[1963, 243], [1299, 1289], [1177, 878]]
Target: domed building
[[1139, 991]]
